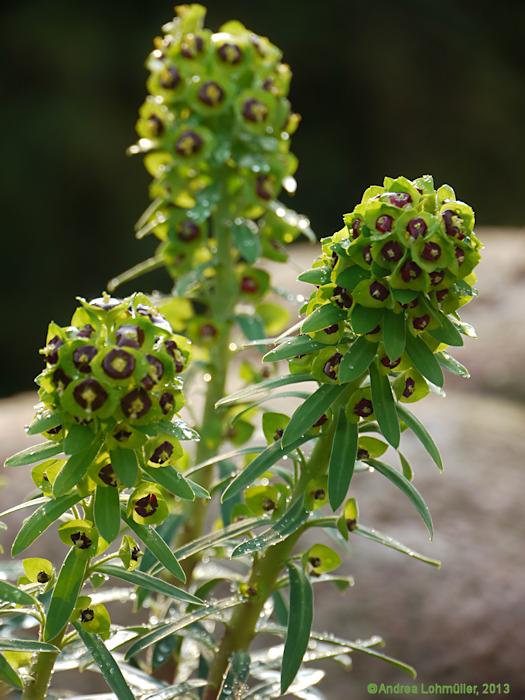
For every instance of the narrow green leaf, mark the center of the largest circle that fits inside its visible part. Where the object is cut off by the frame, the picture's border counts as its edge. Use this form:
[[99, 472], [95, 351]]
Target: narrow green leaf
[[28, 645], [172, 480], [225, 456], [107, 512], [298, 345], [299, 624], [384, 405], [342, 459], [150, 583], [125, 466], [175, 427], [78, 439], [251, 326], [166, 629], [75, 469], [447, 332], [45, 422], [387, 541], [235, 682], [198, 490], [407, 488], [287, 524], [424, 359], [158, 547], [280, 609], [65, 592], [351, 276], [421, 433], [450, 363], [106, 663], [394, 330], [8, 673], [364, 319], [315, 275], [262, 388], [217, 537], [310, 411], [41, 519], [259, 465], [322, 317], [247, 241], [12, 594], [405, 466], [33, 503], [35, 453], [357, 360]]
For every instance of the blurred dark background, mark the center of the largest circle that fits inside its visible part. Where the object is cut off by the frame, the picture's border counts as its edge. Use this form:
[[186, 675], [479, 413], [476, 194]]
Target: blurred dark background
[[384, 88]]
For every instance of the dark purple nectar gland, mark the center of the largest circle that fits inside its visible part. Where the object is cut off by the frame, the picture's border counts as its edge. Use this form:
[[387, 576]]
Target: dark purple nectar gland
[[118, 364], [356, 228], [417, 227], [230, 54], [170, 78], [335, 258], [362, 453], [342, 298], [363, 408], [351, 524], [54, 431], [436, 277], [130, 337], [331, 329], [255, 111], [264, 187], [162, 453], [384, 223], [391, 364], [268, 505], [135, 404], [211, 93], [42, 577], [105, 303], [90, 395], [157, 368], [167, 402], [421, 322], [392, 251], [410, 271], [81, 540], [122, 435], [86, 331], [107, 475], [176, 355], [207, 331], [82, 357], [315, 562], [319, 494], [188, 231], [378, 291], [367, 254], [278, 434], [188, 144], [332, 365], [249, 285], [451, 221], [192, 45], [374, 330], [409, 388], [400, 199], [431, 251], [135, 553], [87, 615], [147, 505], [460, 255], [156, 125], [441, 295], [320, 421], [50, 352]]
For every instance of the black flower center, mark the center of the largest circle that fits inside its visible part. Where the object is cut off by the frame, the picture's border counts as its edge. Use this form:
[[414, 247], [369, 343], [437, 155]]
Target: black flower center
[[188, 231], [118, 364], [107, 475], [135, 404], [230, 53], [400, 199], [170, 78], [188, 144], [51, 350], [367, 254], [254, 110], [431, 251], [178, 357], [409, 388], [264, 187], [331, 366], [384, 223], [81, 540], [130, 336], [363, 408], [268, 505], [392, 251], [82, 357], [87, 615], [378, 291], [147, 505], [42, 577], [417, 227], [156, 125], [410, 271], [192, 46], [249, 285], [421, 322], [90, 395], [211, 93], [162, 453], [436, 277], [167, 402], [342, 297]]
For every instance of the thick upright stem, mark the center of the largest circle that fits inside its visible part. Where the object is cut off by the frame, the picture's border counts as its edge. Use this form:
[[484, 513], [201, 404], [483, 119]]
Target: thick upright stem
[[41, 672]]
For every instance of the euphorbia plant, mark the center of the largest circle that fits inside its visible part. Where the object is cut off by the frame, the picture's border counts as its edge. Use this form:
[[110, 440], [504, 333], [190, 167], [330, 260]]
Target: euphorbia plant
[[112, 474]]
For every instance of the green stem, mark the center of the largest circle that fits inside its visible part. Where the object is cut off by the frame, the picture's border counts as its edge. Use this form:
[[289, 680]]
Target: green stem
[[40, 672], [265, 571]]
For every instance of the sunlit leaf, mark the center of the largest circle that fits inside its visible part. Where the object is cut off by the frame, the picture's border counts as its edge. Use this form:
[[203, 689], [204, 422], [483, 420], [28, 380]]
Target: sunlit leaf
[[263, 387], [357, 360], [13, 594], [35, 453], [384, 405], [75, 469], [424, 360], [394, 330], [299, 345], [158, 547], [27, 645], [65, 592], [299, 624], [148, 582], [376, 536], [310, 411], [41, 519], [107, 512], [124, 464], [342, 459]]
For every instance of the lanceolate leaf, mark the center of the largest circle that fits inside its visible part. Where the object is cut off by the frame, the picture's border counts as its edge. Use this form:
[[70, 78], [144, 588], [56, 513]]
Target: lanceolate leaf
[[421, 433], [294, 517], [299, 345], [107, 512], [342, 460], [106, 663], [41, 519], [394, 334], [172, 480], [259, 465], [310, 411], [357, 360], [8, 673], [27, 645], [12, 594], [45, 422], [384, 406], [158, 547], [124, 463], [424, 360], [35, 453], [376, 536], [247, 240], [248, 393], [65, 592], [78, 438], [299, 624], [75, 469], [450, 363], [150, 583], [322, 317], [405, 466], [364, 319], [217, 537], [447, 332], [235, 681], [408, 489], [198, 490]]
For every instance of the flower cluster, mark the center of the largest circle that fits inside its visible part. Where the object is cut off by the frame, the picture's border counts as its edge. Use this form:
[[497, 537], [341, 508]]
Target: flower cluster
[[389, 284], [216, 129]]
